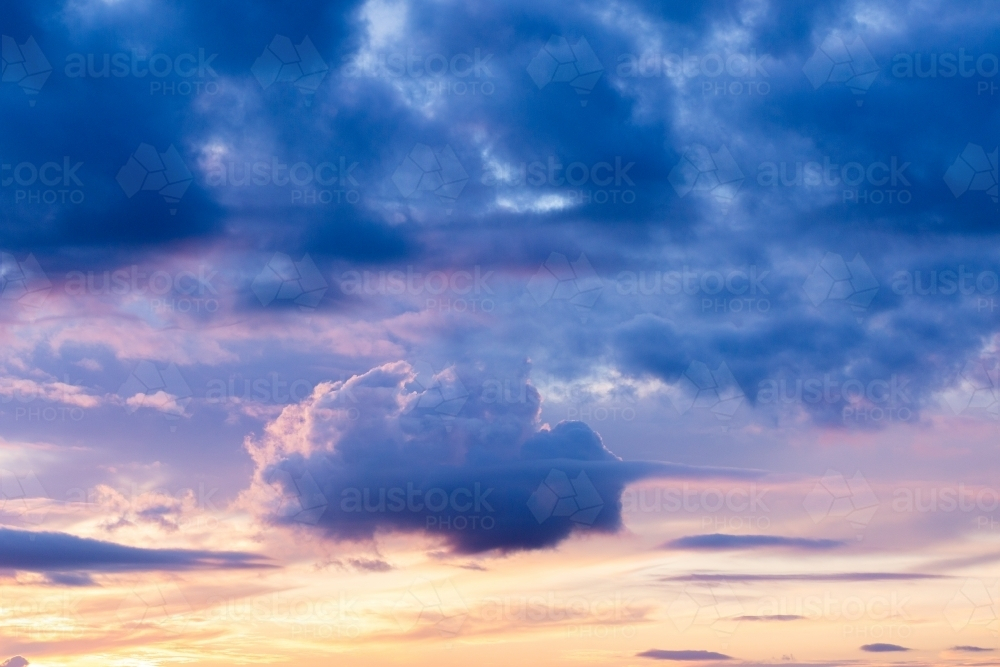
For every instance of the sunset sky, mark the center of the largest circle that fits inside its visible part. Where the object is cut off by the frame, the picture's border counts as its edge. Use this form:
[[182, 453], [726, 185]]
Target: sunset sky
[[526, 333]]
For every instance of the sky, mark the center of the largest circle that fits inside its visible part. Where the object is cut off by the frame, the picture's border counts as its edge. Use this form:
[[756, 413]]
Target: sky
[[398, 333]]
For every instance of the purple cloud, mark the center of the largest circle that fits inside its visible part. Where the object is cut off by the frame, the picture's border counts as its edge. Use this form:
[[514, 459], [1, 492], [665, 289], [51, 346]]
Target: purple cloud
[[722, 542], [688, 656]]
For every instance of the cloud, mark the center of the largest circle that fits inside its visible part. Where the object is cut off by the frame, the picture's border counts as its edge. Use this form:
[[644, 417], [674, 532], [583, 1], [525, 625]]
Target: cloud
[[476, 474], [369, 564], [26, 390], [883, 648], [722, 542], [16, 661], [970, 649], [773, 617], [67, 559], [69, 578], [658, 654], [836, 576]]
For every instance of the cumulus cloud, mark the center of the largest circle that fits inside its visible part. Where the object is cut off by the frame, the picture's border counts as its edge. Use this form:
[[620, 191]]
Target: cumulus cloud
[[393, 450]]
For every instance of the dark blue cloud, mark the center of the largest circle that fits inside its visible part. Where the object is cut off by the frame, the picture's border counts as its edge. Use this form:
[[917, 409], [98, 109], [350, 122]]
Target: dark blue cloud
[[474, 472], [68, 559], [374, 120]]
